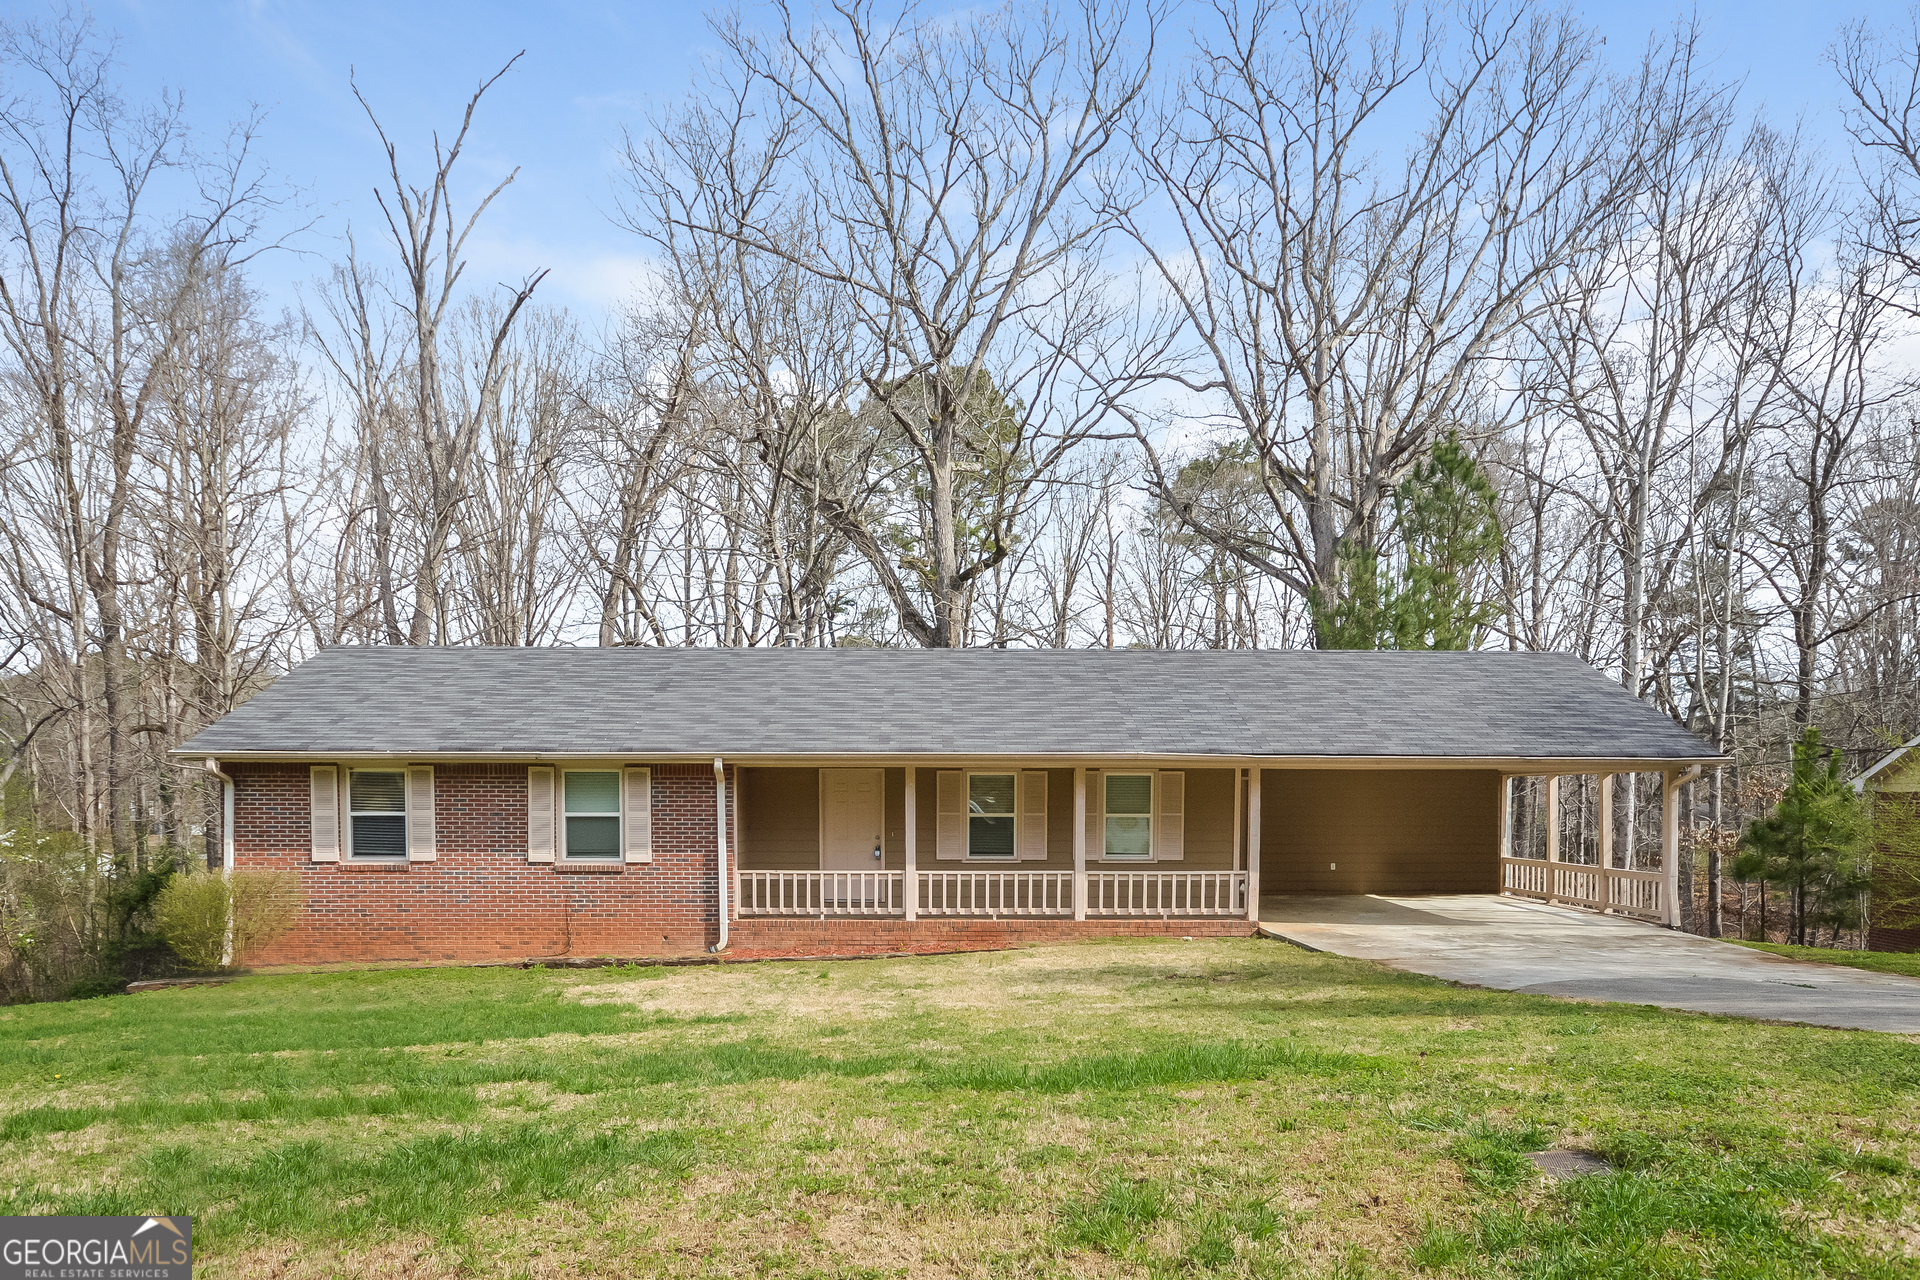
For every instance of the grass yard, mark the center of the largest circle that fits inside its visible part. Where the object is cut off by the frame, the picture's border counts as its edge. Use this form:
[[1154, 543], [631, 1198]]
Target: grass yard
[[1905, 962], [1132, 1108]]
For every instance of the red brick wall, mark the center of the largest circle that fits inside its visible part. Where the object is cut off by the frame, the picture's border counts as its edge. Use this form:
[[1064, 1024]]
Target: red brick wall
[[481, 899], [1879, 939]]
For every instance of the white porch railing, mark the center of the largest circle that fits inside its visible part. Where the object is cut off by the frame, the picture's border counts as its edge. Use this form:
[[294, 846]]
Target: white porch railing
[[1641, 894], [979, 891], [996, 893], [819, 893], [1166, 893]]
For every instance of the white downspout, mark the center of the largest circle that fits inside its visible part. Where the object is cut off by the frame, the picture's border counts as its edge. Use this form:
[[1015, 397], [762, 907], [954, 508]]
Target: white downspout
[[226, 817], [720, 840], [226, 849]]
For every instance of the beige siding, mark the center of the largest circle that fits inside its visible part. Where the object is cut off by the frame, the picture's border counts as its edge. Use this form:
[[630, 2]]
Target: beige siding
[[780, 820], [896, 840], [927, 808], [1382, 831], [1209, 820]]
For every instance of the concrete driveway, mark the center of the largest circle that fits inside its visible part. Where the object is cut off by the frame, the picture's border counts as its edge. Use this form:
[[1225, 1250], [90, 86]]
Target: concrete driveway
[[1514, 945]]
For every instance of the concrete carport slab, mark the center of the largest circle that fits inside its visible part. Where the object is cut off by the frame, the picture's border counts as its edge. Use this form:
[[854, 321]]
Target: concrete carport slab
[[1515, 945]]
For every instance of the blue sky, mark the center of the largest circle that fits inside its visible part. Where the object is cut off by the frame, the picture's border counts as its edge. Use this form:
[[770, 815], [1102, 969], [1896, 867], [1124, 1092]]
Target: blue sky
[[591, 69]]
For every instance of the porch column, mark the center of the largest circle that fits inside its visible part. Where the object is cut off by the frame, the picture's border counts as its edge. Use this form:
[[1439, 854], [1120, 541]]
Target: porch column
[[1253, 844], [1606, 822], [1079, 844], [1553, 817], [1670, 848], [910, 874], [1506, 820]]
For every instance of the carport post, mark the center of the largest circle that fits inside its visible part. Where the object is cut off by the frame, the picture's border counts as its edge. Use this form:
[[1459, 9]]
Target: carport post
[[1253, 844], [1670, 846], [1606, 822], [1670, 783], [1553, 817]]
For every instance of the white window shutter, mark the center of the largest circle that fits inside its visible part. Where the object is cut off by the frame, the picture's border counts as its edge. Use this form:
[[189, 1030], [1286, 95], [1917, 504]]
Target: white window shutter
[[1030, 842], [950, 814], [540, 814], [325, 819], [421, 846], [1096, 814], [639, 815], [1170, 820]]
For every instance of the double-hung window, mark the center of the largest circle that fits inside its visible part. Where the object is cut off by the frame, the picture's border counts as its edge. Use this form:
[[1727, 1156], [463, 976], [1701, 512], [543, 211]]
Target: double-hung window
[[990, 816], [1129, 810], [591, 807], [377, 813]]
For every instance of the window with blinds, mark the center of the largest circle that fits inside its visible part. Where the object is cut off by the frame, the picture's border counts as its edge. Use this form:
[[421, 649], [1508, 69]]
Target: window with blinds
[[591, 806], [377, 813], [990, 815], [1129, 815]]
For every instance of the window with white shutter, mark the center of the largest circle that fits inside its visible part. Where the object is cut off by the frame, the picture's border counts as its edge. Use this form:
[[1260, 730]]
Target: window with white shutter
[[324, 818], [639, 843], [992, 815], [950, 814], [376, 814], [1127, 801], [1033, 815], [540, 830], [590, 815], [421, 841], [1170, 817], [1096, 815]]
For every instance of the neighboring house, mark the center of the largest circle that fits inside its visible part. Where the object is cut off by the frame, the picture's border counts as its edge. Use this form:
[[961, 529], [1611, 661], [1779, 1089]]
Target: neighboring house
[[494, 804], [1893, 779]]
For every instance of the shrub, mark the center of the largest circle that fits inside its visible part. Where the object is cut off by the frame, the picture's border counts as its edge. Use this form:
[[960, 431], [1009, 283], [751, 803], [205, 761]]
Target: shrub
[[265, 906], [191, 914], [198, 914], [51, 921]]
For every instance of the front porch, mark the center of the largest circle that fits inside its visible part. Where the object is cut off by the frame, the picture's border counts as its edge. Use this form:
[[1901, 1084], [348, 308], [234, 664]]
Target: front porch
[[995, 841]]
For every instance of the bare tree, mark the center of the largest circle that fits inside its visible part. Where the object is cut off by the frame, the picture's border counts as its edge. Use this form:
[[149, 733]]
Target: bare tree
[[446, 425], [1343, 311], [934, 171], [88, 325]]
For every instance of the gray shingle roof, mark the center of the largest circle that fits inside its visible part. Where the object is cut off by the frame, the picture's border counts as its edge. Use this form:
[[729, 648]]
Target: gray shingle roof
[[660, 703]]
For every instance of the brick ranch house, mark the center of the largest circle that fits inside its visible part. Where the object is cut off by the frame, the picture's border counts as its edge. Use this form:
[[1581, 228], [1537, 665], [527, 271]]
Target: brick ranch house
[[505, 804]]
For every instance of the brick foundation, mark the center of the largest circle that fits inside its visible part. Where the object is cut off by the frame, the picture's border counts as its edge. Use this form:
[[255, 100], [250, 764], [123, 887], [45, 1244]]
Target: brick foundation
[[793, 937], [480, 900]]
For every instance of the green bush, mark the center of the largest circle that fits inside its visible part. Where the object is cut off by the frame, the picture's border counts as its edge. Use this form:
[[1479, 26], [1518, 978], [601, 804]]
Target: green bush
[[198, 914]]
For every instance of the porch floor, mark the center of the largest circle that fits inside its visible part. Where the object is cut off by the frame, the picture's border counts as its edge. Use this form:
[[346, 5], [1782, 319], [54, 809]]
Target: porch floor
[[1514, 945]]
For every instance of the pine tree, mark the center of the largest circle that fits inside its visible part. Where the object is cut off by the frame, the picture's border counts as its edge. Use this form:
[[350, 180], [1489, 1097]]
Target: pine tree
[[1448, 523], [1813, 845]]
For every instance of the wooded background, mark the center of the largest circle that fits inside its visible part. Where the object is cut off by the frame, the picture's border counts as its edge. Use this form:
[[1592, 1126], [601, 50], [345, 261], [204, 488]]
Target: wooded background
[[1070, 328]]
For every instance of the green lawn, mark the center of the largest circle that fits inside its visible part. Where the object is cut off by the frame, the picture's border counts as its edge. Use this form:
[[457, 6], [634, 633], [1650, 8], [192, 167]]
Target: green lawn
[[1906, 962], [1135, 1108]]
